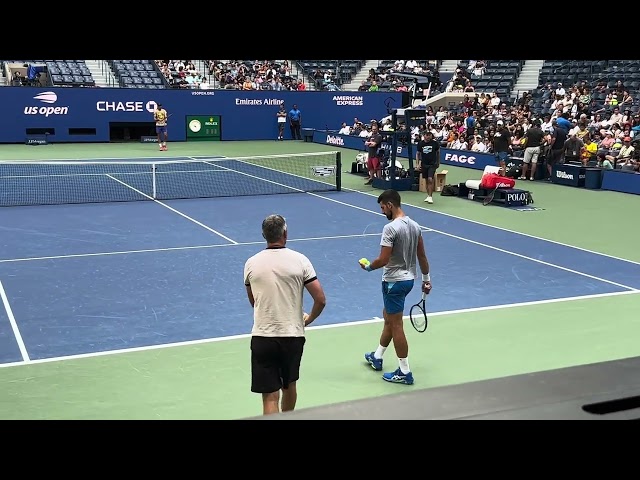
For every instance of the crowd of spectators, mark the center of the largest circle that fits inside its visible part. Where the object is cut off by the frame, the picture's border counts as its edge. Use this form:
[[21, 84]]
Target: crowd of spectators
[[325, 79], [601, 119], [389, 77], [231, 74], [183, 74], [254, 75], [605, 136]]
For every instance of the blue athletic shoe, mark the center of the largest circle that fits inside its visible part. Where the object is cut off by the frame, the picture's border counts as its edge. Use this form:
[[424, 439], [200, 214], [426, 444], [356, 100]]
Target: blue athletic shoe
[[398, 377], [376, 363]]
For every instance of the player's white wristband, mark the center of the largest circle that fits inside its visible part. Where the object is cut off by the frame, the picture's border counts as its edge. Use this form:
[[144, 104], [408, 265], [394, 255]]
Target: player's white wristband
[[426, 277]]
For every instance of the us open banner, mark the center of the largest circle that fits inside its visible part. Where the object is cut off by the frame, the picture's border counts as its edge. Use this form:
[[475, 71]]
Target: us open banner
[[86, 114]]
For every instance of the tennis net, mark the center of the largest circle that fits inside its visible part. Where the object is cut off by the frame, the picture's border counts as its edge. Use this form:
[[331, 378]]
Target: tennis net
[[65, 182]]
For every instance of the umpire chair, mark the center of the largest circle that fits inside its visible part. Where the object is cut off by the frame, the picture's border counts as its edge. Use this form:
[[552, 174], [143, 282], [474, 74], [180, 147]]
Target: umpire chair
[[393, 142]]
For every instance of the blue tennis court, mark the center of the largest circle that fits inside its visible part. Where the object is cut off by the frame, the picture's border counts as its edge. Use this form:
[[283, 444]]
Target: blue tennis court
[[97, 277]]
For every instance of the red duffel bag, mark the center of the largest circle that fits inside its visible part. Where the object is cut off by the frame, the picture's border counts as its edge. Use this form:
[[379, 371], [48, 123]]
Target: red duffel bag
[[493, 180]]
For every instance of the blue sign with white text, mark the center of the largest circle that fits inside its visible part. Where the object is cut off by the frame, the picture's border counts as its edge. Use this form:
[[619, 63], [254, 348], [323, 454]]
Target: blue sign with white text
[[245, 115], [460, 158], [466, 158]]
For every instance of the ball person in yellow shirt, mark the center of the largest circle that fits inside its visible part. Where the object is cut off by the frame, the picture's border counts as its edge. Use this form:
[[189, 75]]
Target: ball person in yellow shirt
[[160, 116]]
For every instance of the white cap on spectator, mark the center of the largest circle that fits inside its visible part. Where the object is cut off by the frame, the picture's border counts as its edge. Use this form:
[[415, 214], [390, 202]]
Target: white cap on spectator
[[500, 122]]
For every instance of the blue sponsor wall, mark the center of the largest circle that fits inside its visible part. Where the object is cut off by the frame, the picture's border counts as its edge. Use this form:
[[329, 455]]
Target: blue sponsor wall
[[565, 174], [461, 158], [244, 115], [619, 181]]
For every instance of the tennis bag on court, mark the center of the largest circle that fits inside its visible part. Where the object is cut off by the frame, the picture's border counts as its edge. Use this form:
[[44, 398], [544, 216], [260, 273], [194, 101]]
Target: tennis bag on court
[[491, 181], [450, 191]]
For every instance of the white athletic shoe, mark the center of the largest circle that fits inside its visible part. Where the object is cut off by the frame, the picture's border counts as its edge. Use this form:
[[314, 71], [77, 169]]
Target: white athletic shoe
[[428, 200]]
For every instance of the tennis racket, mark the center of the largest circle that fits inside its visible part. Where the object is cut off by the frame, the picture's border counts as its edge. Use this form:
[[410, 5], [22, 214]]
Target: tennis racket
[[489, 198], [418, 314]]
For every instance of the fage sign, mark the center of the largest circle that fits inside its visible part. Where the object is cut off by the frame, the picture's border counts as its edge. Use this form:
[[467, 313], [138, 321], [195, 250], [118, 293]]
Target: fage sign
[[464, 158], [461, 158]]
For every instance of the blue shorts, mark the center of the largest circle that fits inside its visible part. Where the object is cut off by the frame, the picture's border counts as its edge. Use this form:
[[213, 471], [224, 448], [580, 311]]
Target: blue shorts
[[160, 130], [394, 293], [502, 156]]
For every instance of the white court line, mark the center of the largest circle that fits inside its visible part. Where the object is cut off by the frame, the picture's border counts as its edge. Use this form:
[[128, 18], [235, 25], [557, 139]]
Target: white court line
[[174, 210], [593, 277], [319, 327], [169, 249], [375, 195], [200, 157], [150, 158], [264, 179], [67, 175], [507, 230], [14, 325]]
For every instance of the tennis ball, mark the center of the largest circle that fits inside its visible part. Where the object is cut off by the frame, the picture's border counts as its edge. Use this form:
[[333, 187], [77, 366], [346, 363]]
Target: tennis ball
[[364, 261]]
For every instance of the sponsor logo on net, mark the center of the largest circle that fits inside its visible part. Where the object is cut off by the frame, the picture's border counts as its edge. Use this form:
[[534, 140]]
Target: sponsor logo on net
[[49, 108]]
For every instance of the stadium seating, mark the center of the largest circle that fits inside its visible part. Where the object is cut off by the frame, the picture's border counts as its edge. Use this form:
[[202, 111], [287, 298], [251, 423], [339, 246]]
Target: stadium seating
[[223, 79], [69, 73], [601, 76], [387, 85], [347, 69], [137, 74], [59, 73], [499, 76]]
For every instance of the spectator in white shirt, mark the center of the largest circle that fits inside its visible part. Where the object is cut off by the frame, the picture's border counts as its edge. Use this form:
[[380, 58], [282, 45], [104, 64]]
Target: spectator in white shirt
[[459, 144], [386, 125], [574, 130], [547, 125], [345, 130], [616, 116], [479, 145]]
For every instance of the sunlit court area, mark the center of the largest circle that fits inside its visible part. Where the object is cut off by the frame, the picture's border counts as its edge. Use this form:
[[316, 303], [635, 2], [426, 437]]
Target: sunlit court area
[[121, 262]]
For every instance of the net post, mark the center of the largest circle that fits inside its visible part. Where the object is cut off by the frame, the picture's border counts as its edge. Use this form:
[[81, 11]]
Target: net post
[[338, 171], [153, 181]]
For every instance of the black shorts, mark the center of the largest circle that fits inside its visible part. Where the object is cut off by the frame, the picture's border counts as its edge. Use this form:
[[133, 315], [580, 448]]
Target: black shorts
[[428, 170], [275, 362]]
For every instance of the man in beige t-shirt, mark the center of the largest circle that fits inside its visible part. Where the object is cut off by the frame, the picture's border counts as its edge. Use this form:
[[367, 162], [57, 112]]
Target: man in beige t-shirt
[[275, 279]]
